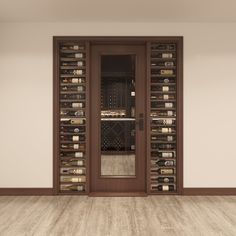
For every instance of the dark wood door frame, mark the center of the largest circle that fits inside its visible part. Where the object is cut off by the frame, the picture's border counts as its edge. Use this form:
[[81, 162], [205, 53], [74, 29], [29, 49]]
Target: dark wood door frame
[[128, 184], [119, 40]]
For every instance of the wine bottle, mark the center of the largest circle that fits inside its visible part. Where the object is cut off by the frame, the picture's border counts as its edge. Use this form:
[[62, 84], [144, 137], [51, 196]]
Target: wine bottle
[[72, 47], [80, 146], [162, 72], [163, 63], [163, 80], [73, 63], [163, 130], [78, 188], [162, 105], [73, 138], [162, 179], [78, 113], [162, 88], [163, 47], [72, 72], [166, 146], [163, 171], [73, 55], [162, 121], [73, 179], [72, 162], [72, 130], [163, 187], [73, 171], [72, 96], [163, 154], [163, 163], [72, 104], [163, 97], [73, 88], [169, 138], [72, 154], [73, 80], [73, 121], [163, 113]]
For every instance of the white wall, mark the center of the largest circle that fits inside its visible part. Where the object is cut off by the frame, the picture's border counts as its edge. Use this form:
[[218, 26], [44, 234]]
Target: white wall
[[26, 98]]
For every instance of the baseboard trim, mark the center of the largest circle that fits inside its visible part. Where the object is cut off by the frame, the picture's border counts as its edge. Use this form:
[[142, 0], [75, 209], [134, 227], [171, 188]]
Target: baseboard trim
[[26, 191], [118, 194], [209, 191]]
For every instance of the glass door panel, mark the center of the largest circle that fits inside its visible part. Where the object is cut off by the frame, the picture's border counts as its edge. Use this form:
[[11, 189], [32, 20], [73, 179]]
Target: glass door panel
[[118, 123]]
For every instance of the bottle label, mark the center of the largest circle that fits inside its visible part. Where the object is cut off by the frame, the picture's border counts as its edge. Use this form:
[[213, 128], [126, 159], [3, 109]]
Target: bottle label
[[165, 188], [166, 72], [132, 93], [79, 188], [75, 180], [169, 63], [165, 88], [76, 146], [76, 47], [79, 163], [165, 96], [170, 138], [169, 163], [170, 113], [167, 154], [79, 88], [168, 104], [167, 55], [75, 80], [164, 130], [169, 121], [79, 63], [78, 55], [166, 80], [167, 171], [74, 105], [76, 121], [75, 138], [78, 154]]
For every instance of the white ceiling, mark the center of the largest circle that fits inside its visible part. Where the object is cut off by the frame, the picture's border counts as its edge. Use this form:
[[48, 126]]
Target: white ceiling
[[118, 11]]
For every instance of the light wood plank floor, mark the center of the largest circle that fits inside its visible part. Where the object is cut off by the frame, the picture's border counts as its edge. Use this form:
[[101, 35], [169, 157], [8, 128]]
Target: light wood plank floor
[[102, 216]]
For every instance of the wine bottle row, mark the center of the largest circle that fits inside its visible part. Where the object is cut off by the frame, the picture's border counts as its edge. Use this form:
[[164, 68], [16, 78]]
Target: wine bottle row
[[72, 155], [163, 158]]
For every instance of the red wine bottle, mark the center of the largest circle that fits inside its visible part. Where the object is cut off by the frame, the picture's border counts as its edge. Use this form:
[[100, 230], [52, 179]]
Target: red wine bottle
[[76, 146], [162, 121], [79, 113], [162, 96], [73, 80], [72, 96], [80, 129], [73, 138], [72, 154], [163, 171], [164, 88], [73, 88], [73, 171], [72, 162], [77, 188], [162, 179], [163, 187], [163, 154]]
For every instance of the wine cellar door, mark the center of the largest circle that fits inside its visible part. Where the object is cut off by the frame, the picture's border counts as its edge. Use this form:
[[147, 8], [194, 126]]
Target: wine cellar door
[[118, 162]]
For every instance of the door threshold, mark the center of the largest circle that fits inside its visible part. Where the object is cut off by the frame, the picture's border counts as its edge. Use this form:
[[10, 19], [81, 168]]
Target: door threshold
[[118, 194]]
